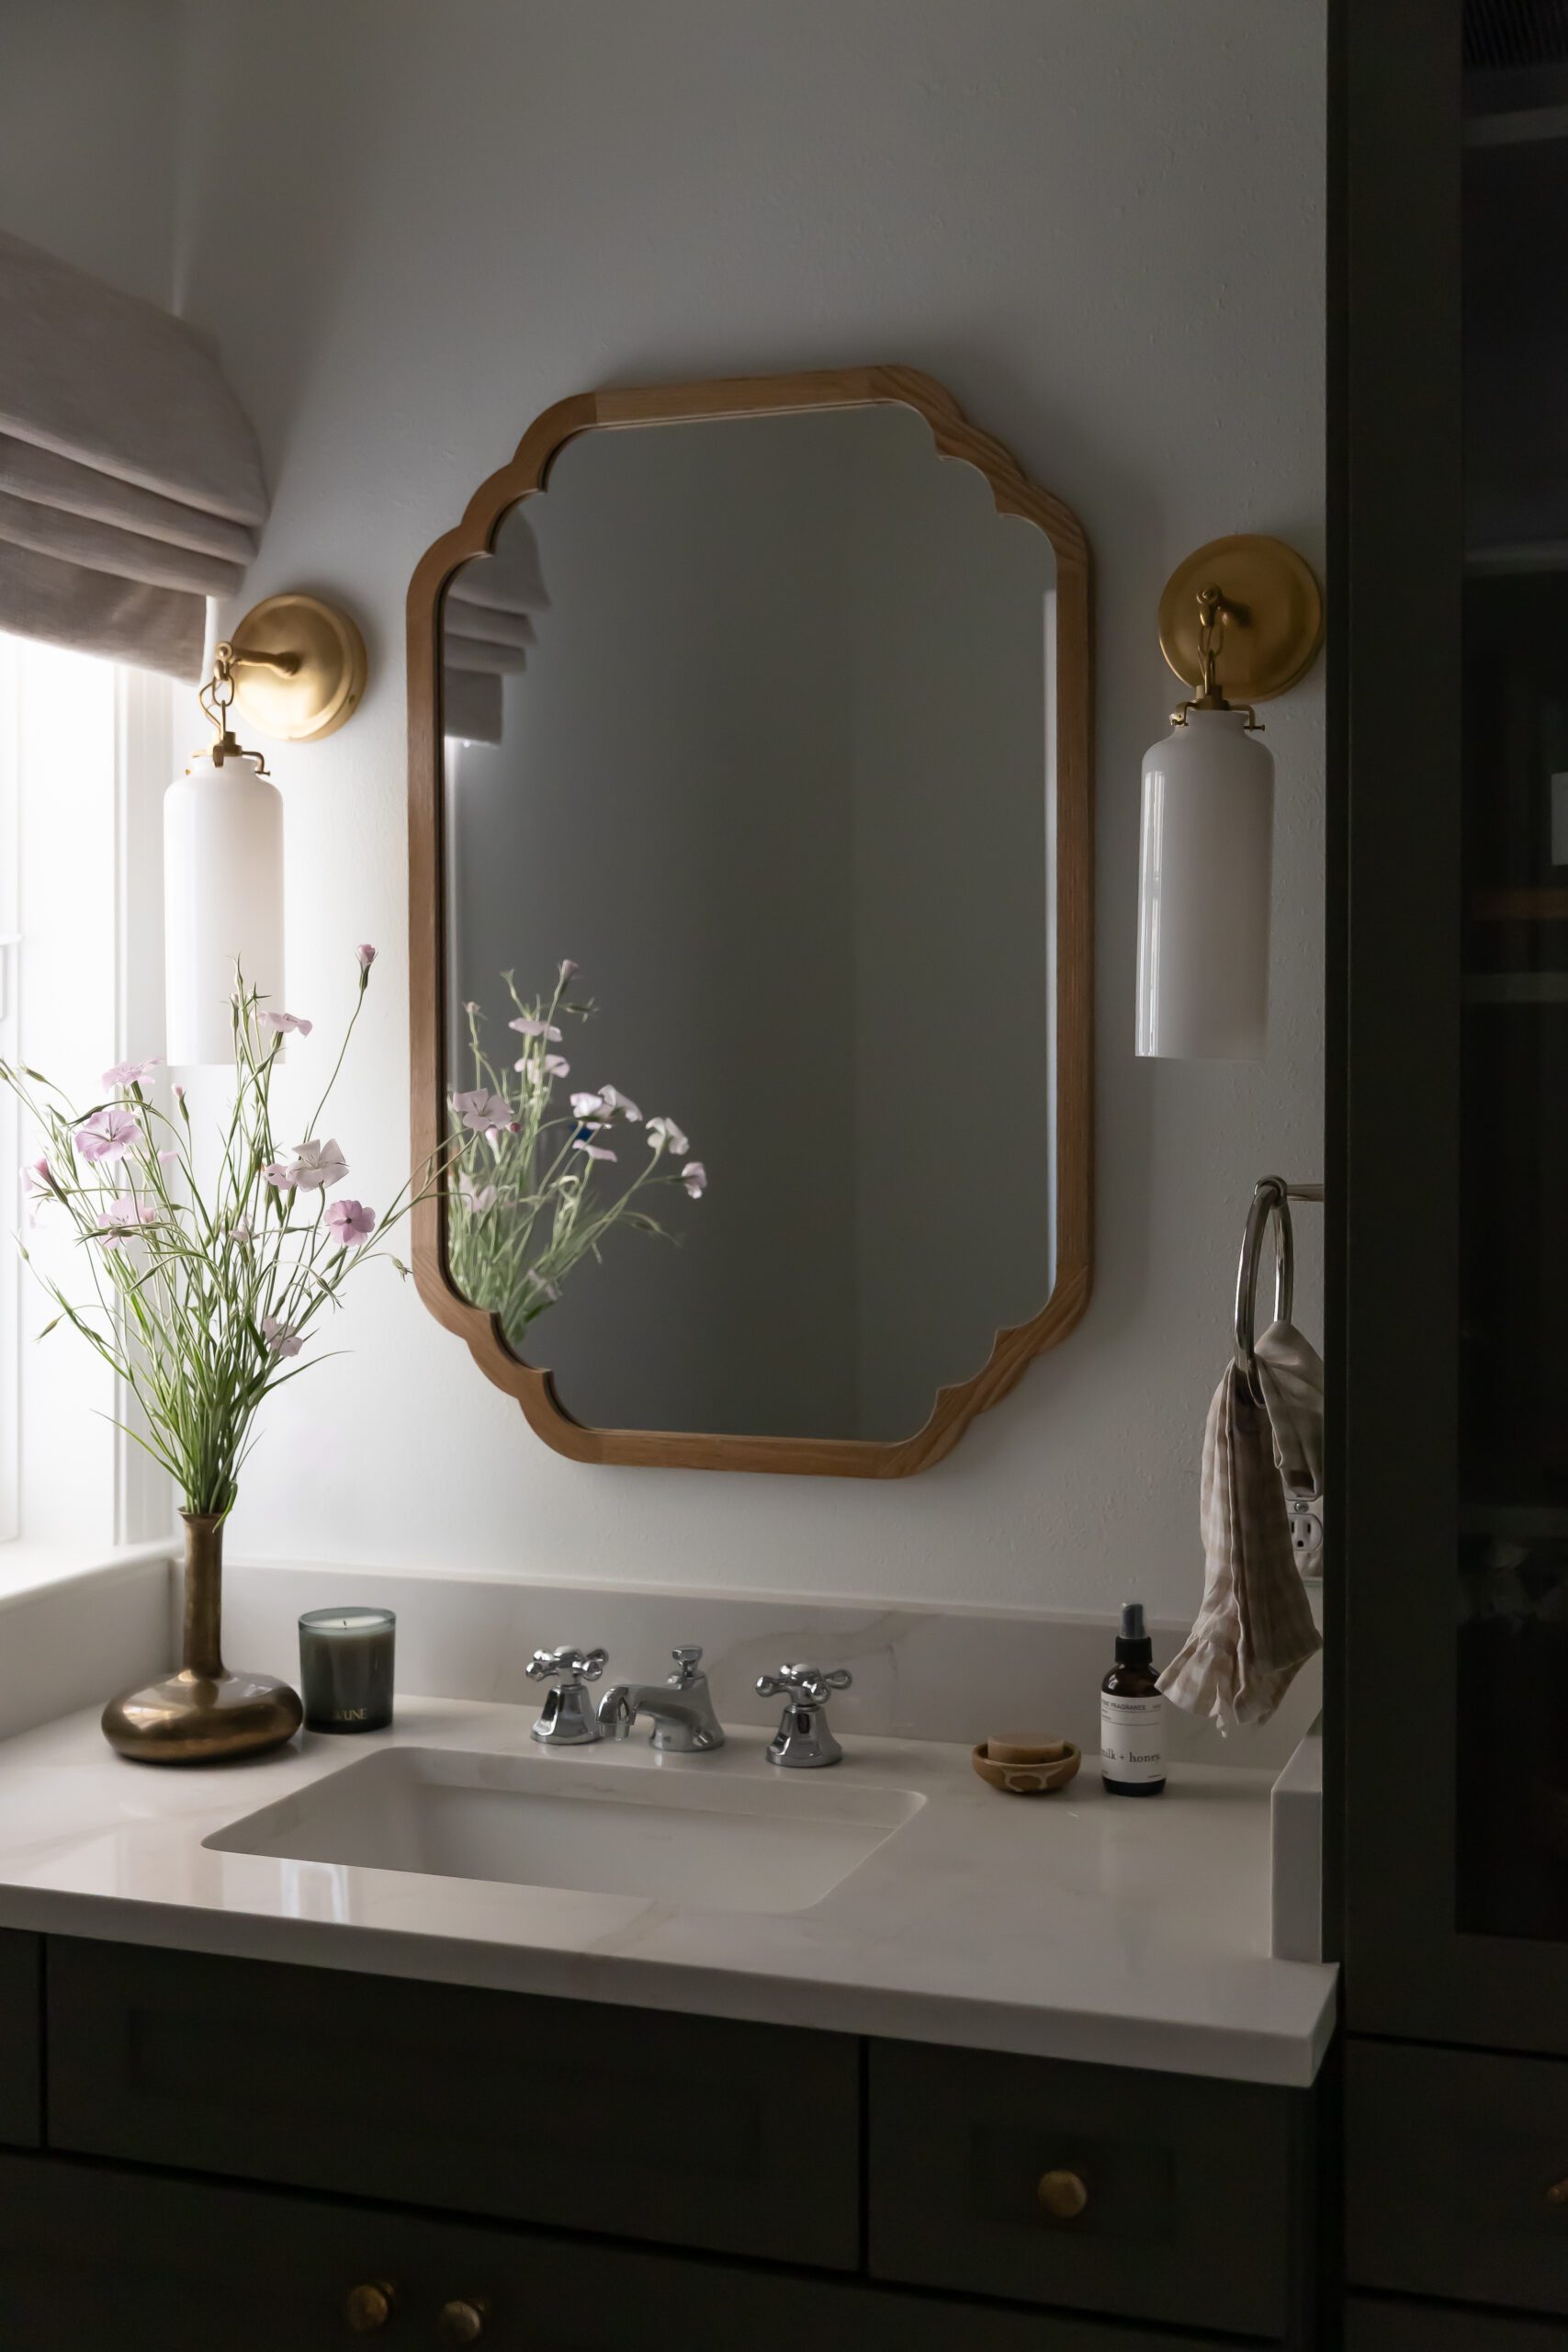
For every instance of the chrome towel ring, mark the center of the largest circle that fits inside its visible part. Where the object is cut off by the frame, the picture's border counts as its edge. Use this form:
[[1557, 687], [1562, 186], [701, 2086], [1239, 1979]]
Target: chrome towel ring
[[1269, 1215]]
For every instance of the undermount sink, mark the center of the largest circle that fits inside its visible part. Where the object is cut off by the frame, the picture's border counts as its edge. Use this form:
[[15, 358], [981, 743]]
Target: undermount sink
[[698, 1838]]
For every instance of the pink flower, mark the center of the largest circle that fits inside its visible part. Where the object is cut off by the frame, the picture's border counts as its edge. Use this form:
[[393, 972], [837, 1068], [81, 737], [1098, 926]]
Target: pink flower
[[121, 1218], [241, 1230], [313, 1167], [106, 1136], [568, 971], [282, 1340], [593, 1151], [37, 1186], [552, 1066], [318, 1165], [280, 1023], [587, 1107], [481, 1111], [351, 1224], [530, 1027], [130, 1073], [475, 1197], [366, 956], [179, 1093], [166, 1158], [664, 1134], [536, 1282], [614, 1100], [694, 1177]]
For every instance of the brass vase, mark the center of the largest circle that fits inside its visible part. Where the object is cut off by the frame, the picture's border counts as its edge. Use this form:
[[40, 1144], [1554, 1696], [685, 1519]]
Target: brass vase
[[202, 1714]]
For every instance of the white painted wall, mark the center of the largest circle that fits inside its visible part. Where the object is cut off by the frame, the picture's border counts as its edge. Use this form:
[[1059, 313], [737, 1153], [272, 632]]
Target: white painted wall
[[1100, 222]]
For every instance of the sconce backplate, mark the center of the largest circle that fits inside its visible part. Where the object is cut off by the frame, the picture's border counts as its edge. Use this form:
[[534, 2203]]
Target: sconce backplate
[[323, 688], [1273, 609]]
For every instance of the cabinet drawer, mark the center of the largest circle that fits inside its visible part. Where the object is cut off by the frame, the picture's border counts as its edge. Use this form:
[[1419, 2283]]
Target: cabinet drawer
[[21, 2035], [1373, 2326], [580, 2116], [1450, 2155], [1197, 2192], [96, 2260]]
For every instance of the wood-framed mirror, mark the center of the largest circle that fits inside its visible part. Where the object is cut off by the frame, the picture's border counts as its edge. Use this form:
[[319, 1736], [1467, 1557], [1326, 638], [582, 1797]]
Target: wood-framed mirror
[[764, 706]]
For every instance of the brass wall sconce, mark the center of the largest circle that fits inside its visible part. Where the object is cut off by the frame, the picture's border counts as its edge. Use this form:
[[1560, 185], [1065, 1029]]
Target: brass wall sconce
[[299, 668], [1240, 621], [295, 669]]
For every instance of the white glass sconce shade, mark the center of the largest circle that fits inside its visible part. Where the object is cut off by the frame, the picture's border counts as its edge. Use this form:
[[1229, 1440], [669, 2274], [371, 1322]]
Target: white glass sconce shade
[[1203, 892], [222, 900]]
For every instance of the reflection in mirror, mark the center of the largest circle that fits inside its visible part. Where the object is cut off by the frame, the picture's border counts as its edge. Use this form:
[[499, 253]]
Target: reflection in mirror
[[752, 720]]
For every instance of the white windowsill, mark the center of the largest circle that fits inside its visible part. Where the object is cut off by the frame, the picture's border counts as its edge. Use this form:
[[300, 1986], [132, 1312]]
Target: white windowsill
[[28, 1569]]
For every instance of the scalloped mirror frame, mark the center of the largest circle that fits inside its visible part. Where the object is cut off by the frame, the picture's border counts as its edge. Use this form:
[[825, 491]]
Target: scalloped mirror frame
[[527, 476]]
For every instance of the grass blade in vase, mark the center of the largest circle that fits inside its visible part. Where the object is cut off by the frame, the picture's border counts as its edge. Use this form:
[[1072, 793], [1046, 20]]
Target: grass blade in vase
[[203, 1291]]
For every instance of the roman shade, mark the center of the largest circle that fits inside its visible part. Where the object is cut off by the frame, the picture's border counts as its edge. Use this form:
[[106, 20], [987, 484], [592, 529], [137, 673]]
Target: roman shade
[[487, 628], [130, 484]]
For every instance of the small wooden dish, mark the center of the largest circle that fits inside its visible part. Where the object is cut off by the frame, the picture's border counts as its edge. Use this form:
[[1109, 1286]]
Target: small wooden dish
[[1020, 1767]]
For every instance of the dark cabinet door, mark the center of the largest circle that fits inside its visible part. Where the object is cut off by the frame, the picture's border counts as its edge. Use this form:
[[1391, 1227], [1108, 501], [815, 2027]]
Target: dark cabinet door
[[21, 2031], [1457, 2174], [1449, 1028], [572, 2114], [971, 2152], [1372, 2326], [96, 2259]]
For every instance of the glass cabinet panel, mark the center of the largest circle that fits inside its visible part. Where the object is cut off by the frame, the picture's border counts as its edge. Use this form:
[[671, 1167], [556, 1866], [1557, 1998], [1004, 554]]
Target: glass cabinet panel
[[1512, 1744]]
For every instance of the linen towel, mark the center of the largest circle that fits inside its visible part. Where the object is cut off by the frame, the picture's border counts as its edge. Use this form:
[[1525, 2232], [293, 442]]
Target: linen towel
[[1290, 1373], [1254, 1631]]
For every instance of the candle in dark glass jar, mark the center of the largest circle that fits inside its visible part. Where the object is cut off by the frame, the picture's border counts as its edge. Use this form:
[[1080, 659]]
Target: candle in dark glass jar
[[345, 1667]]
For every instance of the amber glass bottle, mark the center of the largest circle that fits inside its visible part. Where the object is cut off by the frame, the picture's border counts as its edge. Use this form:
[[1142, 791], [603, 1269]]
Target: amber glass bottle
[[1131, 1715]]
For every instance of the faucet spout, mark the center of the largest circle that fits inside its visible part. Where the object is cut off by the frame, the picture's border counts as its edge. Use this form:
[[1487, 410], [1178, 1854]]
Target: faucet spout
[[679, 1710], [617, 1713]]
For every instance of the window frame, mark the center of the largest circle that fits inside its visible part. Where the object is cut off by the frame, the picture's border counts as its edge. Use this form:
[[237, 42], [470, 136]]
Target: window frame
[[139, 744]]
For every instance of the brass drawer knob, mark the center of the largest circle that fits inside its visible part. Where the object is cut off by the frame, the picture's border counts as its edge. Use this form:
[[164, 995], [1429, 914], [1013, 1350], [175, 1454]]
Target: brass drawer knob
[[368, 2308], [463, 2321], [1062, 2194]]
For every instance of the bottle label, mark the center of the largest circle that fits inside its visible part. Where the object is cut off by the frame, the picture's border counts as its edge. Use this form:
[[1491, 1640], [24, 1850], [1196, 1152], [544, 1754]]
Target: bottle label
[[1132, 1745]]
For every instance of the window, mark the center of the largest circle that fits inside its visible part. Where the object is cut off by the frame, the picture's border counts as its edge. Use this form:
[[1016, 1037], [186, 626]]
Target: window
[[86, 752]]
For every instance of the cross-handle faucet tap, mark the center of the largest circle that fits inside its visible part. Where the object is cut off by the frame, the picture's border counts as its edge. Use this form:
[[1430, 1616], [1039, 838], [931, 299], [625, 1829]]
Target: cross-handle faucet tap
[[803, 1739], [680, 1708], [567, 1718]]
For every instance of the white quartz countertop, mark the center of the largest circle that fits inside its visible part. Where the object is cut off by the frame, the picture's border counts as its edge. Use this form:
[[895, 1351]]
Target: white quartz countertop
[[1070, 1926]]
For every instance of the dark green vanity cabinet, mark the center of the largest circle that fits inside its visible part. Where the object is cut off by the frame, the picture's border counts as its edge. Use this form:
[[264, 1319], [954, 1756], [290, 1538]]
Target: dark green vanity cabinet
[[21, 2034], [1447, 1478], [230, 2148]]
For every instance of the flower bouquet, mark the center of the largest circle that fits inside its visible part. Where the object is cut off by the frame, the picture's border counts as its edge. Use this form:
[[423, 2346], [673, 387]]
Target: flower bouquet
[[202, 1285]]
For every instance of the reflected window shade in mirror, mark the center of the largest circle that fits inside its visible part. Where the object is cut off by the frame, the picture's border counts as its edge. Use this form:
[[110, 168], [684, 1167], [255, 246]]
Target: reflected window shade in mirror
[[488, 627], [130, 486], [793, 762]]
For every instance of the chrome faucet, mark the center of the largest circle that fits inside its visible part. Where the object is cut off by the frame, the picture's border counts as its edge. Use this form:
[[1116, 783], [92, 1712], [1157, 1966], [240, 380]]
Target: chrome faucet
[[680, 1708], [802, 1740], [567, 1718]]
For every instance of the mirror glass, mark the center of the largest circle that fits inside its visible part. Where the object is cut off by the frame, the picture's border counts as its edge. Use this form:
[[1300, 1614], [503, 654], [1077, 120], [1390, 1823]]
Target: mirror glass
[[752, 718]]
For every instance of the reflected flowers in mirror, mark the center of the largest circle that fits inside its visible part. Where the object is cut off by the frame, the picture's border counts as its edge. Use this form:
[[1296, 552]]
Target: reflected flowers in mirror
[[534, 1175]]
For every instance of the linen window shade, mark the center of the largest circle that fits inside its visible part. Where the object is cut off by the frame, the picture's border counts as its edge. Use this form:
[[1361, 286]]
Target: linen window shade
[[130, 484], [487, 628]]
